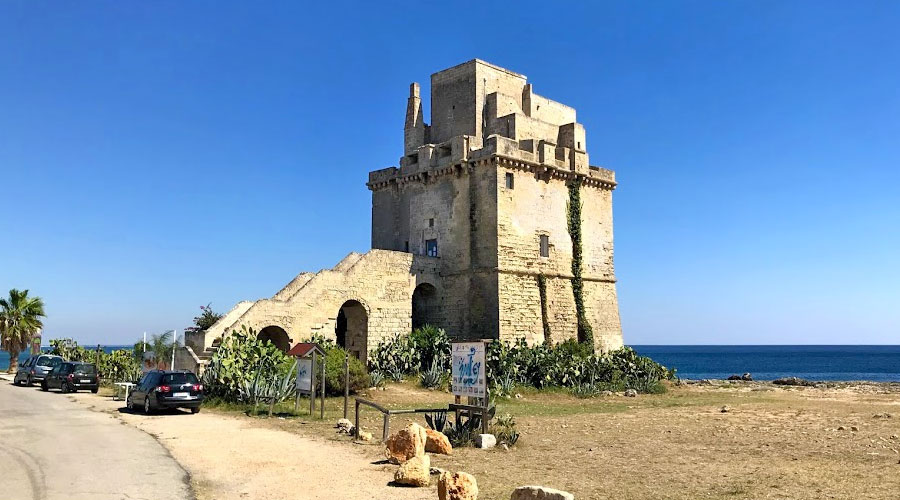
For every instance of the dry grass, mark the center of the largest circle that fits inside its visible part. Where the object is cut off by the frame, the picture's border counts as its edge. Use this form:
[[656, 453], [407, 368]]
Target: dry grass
[[772, 443]]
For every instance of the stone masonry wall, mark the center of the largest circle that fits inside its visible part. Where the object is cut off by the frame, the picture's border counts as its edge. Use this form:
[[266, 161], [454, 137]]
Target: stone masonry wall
[[537, 205], [382, 281]]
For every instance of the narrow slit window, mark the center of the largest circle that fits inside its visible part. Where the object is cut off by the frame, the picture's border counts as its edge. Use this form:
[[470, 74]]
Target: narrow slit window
[[510, 182], [430, 222], [406, 246], [545, 245], [431, 248]]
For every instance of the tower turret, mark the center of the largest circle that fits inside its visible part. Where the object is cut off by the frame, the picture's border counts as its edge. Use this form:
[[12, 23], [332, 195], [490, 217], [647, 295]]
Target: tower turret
[[414, 128]]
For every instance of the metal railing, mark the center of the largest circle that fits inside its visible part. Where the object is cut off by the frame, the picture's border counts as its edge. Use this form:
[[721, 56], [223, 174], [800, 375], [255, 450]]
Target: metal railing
[[386, 430]]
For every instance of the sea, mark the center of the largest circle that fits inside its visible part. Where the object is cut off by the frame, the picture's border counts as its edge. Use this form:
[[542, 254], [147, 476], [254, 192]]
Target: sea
[[878, 363]]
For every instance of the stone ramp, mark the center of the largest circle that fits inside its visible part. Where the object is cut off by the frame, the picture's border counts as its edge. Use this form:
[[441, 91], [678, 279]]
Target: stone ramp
[[378, 284]]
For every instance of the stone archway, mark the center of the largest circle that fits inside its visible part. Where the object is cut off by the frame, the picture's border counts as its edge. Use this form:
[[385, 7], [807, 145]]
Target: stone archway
[[276, 335], [352, 328], [425, 306]]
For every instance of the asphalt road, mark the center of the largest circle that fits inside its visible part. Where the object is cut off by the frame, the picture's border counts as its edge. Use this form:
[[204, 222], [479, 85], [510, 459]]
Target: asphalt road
[[53, 448]]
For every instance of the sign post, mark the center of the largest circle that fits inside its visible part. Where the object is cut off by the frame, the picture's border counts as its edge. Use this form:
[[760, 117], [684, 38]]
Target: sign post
[[469, 378], [310, 358]]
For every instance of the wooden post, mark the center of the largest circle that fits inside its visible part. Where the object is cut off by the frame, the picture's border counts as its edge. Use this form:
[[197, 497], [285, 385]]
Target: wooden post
[[487, 398], [322, 407], [356, 422], [297, 398], [312, 384], [386, 431], [346, 380]]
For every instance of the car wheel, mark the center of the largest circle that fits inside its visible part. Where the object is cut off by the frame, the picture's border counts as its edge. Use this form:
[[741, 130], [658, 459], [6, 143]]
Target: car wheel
[[147, 405], [44, 386], [195, 410]]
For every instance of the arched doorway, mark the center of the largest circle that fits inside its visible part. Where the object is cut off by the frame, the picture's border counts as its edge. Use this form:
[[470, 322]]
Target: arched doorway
[[425, 306], [352, 328], [277, 336]]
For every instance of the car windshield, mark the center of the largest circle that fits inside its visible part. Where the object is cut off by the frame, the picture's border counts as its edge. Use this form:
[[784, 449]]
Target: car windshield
[[85, 369], [179, 378], [48, 361]]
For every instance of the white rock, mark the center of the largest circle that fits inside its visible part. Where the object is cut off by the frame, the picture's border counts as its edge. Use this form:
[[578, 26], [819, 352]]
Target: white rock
[[485, 441], [630, 393], [539, 493], [344, 425]]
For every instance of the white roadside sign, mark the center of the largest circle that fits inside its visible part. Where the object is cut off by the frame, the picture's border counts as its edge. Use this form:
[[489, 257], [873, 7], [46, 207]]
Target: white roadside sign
[[468, 370], [304, 374]]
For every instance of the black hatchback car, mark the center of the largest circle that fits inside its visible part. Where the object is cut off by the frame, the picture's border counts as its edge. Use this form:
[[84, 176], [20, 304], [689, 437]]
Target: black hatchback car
[[72, 376], [163, 389]]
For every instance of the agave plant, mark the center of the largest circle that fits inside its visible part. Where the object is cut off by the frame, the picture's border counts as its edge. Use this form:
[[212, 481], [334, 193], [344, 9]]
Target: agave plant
[[434, 377], [504, 427], [268, 386], [436, 420], [377, 378], [463, 431]]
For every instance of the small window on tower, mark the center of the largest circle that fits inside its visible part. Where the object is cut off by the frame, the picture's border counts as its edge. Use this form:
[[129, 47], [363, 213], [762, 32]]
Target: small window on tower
[[545, 245], [406, 246], [430, 222], [431, 248], [510, 183]]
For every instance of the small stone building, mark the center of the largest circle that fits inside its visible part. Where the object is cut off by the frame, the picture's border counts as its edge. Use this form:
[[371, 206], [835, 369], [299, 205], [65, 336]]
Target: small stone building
[[473, 232]]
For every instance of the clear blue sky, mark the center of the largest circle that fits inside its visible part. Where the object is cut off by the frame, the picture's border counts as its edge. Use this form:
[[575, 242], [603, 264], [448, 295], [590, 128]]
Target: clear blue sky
[[156, 156]]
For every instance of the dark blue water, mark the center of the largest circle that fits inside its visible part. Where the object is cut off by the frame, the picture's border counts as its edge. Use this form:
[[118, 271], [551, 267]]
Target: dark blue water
[[768, 362], [4, 356]]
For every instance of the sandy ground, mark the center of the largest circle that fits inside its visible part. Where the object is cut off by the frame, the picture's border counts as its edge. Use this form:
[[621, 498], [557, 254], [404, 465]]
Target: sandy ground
[[771, 443], [235, 457]]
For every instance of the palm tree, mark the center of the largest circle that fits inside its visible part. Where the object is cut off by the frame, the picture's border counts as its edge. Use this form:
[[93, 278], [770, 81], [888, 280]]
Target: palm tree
[[161, 347], [20, 321]]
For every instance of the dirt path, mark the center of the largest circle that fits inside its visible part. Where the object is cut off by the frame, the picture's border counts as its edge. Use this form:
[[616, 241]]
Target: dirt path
[[235, 458]]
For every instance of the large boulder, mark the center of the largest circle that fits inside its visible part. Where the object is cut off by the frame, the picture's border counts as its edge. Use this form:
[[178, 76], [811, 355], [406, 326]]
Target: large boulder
[[406, 443], [539, 493], [457, 486], [414, 472], [437, 442]]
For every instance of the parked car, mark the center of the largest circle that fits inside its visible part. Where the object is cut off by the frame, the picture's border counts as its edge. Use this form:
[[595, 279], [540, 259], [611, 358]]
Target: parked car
[[36, 368], [72, 376], [162, 389]]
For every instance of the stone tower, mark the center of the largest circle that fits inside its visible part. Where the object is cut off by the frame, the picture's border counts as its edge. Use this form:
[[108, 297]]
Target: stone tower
[[486, 191]]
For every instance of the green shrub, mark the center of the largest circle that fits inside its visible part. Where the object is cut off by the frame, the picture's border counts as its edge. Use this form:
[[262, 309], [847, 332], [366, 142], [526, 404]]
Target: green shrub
[[504, 428], [411, 354], [434, 377], [237, 361], [569, 364], [334, 373], [121, 365]]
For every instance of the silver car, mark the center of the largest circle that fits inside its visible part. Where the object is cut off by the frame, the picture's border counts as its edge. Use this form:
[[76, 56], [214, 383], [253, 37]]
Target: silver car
[[36, 368]]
